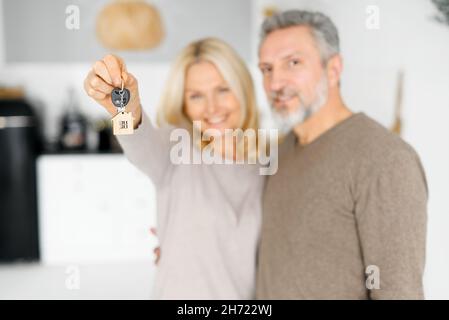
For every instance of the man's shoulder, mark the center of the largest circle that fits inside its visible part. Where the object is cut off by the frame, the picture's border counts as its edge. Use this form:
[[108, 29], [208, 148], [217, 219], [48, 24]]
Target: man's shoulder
[[375, 149], [372, 140]]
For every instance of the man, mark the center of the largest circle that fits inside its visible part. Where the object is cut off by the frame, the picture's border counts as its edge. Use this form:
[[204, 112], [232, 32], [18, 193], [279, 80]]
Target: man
[[345, 215]]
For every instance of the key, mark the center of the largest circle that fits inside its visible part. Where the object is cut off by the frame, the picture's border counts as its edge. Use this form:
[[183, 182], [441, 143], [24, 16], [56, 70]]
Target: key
[[116, 97], [122, 122]]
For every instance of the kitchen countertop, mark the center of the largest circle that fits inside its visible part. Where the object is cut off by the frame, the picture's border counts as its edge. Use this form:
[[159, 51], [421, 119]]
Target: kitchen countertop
[[117, 280]]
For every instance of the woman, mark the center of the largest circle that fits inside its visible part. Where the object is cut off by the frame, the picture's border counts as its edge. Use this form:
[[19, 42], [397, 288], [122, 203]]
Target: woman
[[208, 215]]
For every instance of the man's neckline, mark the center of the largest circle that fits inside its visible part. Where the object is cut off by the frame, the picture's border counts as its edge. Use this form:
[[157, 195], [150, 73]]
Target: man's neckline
[[292, 138]]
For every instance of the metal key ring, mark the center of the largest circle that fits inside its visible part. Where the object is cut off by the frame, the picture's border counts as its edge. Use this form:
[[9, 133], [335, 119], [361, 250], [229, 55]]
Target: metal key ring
[[123, 86]]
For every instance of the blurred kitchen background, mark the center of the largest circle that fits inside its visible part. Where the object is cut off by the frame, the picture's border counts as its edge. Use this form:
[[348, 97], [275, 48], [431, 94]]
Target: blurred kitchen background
[[68, 231]]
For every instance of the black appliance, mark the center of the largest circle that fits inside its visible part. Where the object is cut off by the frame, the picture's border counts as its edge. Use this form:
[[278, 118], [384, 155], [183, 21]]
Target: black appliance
[[19, 147]]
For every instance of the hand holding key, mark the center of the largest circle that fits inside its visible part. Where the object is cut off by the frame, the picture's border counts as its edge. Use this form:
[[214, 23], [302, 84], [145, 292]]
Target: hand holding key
[[108, 74]]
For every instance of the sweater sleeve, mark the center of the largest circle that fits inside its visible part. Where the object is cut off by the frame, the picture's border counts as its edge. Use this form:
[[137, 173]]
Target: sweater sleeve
[[148, 149], [391, 215]]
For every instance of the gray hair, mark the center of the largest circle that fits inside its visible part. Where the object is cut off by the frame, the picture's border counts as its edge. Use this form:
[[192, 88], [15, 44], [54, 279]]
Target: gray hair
[[323, 29]]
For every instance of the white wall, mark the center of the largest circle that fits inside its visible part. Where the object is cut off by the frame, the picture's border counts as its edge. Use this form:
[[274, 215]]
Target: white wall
[[2, 43]]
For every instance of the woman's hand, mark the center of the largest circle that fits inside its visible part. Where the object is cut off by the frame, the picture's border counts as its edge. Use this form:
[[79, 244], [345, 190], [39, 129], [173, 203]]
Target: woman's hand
[[107, 74], [157, 250]]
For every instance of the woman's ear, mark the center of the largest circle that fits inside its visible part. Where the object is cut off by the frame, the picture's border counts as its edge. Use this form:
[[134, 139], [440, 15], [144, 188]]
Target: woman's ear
[[334, 69]]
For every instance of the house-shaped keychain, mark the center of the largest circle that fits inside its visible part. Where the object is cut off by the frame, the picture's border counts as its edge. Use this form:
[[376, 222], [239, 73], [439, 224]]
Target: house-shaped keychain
[[123, 123]]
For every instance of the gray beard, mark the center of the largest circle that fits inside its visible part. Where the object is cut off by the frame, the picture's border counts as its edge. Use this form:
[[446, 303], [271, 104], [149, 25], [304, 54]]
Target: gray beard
[[286, 121]]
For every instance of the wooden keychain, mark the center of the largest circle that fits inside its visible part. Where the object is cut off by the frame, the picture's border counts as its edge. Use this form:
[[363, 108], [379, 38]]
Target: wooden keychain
[[122, 122]]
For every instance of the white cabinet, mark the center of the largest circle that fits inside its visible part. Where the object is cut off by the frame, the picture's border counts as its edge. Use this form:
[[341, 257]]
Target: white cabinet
[[94, 208]]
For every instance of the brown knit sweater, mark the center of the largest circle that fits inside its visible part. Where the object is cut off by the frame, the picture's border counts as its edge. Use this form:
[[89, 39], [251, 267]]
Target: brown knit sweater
[[355, 197]]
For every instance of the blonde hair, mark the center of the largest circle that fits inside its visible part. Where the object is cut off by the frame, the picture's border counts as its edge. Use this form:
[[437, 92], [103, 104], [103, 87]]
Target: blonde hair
[[231, 67]]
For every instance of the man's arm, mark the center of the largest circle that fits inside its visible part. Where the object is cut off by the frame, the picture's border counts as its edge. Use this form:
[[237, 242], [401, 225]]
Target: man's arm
[[391, 213]]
